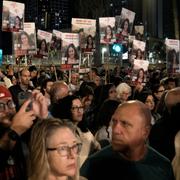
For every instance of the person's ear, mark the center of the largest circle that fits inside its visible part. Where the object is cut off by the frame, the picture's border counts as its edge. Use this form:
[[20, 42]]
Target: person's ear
[[146, 131]]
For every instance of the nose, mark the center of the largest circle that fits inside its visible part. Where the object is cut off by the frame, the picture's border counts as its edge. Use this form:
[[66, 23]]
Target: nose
[[71, 154], [117, 128]]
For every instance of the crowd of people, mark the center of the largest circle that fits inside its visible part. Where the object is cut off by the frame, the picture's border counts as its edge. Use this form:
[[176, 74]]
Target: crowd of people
[[86, 127]]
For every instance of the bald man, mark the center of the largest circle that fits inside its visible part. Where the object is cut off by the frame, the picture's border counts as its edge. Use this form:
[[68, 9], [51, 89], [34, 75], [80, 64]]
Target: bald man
[[128, 157]]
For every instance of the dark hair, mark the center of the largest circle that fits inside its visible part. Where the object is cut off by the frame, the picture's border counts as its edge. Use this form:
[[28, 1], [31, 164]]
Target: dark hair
[[137, 53], [122, 25], [67, 51], [89, 36], [62, 109], [85, 90], [46, 47], [105, 112], [44, 84], [17, 17], [110, 29], [141, 69]]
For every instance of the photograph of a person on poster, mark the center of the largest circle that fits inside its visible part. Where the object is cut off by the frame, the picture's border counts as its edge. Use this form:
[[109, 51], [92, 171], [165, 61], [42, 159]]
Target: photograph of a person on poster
[[140, 76], [139, 54], [108, 34], [43, 48], [71, 54], [25, 41], [172, 61], [122, 36], [17, 23], [90, 43]]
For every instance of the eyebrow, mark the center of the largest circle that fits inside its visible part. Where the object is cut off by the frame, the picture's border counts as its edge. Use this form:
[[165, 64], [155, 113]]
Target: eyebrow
[[65, 143]]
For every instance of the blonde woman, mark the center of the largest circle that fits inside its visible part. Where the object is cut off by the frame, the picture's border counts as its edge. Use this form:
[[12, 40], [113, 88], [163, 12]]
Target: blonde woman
[[54, 151]]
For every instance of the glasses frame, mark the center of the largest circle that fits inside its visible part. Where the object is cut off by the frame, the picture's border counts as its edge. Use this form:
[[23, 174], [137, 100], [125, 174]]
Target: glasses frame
[[77, 108], [7, 104], [68, 149]]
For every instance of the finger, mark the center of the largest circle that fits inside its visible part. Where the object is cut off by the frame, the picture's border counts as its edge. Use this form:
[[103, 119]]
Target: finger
[[34, 92], [25, 105]]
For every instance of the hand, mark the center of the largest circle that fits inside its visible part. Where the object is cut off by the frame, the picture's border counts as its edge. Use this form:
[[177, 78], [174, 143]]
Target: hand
[[39, 105], [23, 119]]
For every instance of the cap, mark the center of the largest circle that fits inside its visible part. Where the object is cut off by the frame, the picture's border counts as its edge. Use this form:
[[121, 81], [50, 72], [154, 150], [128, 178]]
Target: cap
[[4, 92]]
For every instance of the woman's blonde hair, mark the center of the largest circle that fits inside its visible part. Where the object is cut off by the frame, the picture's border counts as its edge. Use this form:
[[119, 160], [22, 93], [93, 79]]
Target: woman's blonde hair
[[38, 166]]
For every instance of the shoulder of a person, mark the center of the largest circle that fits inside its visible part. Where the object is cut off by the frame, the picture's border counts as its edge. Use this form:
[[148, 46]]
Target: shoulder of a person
[[156, 157], [15, 87], [106, 152]]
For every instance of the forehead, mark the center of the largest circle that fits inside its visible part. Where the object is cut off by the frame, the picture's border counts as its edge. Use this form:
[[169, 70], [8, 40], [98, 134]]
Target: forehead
[[25, 73], [76, 102], [5, 99], [129, 113], [62, 136]]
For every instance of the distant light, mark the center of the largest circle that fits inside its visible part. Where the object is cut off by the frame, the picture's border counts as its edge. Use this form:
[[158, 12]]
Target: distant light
[[117, 48], [104, 49]]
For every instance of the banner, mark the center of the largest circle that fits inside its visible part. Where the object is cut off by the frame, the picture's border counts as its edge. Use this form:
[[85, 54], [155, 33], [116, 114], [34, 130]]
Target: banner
[[25, 41], [107, 30], [70, 53], [139, 32], [44, 38], [125, 25], [86, 28], [12, 16], [172, 56], [138, 50], [55, 45]]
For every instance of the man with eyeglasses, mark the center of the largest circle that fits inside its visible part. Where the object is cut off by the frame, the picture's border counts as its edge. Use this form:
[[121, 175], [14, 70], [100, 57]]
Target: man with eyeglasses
[[12, 126]]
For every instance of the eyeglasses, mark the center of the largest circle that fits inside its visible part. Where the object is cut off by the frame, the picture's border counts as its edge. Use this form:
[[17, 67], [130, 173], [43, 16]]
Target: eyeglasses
[[65, 150], [161, 90], [76, 108], [10, 104]]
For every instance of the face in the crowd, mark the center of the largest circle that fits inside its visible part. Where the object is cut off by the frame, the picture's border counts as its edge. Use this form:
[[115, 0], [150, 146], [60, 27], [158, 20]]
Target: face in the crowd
[[150, 102], [171, 85], [87, 101], [112, 93], [33, 73], [128, 129], [77, 110], [75, 79], [24, 39], [63, 161], [62, 91], [71, 52], [159, 93], [97, 80], [25, 77], [7, 111], [123, 96], [48, 86]]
